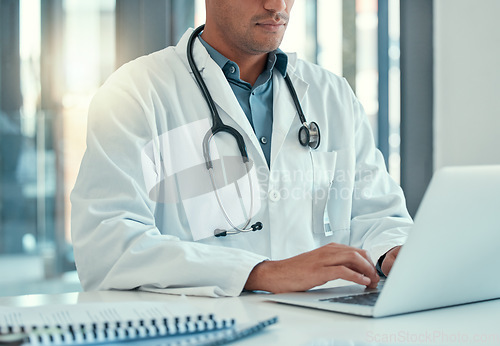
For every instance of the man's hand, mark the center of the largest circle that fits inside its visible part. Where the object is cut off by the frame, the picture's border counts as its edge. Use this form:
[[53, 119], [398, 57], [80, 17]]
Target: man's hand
[[314, 268], [389, 259]]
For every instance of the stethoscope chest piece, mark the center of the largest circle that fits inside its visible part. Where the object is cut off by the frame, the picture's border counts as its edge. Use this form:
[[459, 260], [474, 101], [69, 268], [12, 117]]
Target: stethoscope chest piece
[[309, 135]]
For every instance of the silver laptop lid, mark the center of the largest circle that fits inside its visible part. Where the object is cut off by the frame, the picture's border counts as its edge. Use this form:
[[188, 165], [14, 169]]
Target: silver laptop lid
[[451, 256]]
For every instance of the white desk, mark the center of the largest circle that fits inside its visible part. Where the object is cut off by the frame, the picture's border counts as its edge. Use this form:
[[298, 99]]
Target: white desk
[[472, 324]]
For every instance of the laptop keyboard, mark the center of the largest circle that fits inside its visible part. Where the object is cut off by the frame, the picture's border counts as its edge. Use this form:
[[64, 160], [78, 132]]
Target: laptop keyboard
[[359, 299]]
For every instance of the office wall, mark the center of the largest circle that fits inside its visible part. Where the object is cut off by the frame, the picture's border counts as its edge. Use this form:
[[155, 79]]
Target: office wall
[[466, 82]]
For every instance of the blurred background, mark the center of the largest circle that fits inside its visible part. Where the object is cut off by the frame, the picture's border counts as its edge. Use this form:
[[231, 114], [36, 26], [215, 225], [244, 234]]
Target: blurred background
[[426, 72]]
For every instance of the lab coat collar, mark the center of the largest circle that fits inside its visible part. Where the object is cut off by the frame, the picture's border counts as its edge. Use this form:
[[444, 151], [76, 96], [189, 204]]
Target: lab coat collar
[[284, 111], [221, 91], [285, 115]]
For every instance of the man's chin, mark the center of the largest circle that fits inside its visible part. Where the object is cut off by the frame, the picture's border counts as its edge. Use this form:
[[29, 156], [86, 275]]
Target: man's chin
[[268, 46]]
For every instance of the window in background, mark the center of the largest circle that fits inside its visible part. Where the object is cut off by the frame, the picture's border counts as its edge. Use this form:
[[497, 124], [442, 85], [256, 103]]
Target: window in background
[[199, 12], [26, 194], [394, 91], [88, 59], [330, 35], [64, 50], [366, 27]]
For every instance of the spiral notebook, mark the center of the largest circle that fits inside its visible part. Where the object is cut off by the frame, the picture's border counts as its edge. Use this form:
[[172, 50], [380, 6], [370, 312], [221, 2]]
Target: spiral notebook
[[103, 323]]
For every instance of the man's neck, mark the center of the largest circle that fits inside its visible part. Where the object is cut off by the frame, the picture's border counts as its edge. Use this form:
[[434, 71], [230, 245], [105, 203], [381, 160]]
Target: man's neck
[[251, 65], [250, 69]]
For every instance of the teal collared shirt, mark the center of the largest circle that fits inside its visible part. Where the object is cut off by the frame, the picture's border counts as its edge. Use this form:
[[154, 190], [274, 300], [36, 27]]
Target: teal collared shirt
[[257, 100]]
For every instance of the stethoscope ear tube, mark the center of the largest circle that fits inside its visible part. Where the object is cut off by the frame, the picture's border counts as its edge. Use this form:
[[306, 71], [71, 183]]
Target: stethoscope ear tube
[[217, 124], [199, 80]]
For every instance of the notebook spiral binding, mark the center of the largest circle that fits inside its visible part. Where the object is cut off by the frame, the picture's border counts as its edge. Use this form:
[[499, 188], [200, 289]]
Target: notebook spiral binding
[[119, 331], [200, 330]]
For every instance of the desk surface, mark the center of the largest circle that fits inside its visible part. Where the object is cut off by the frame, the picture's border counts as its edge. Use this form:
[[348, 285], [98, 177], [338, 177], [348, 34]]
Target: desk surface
[[471, 324]]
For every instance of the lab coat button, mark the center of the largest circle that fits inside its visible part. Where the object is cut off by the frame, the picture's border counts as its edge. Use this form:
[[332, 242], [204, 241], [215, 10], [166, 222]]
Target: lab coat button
[[263, 140], [274, 195]]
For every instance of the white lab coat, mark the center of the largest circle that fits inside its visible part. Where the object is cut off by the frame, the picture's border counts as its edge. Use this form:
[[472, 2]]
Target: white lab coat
[[126, 237]]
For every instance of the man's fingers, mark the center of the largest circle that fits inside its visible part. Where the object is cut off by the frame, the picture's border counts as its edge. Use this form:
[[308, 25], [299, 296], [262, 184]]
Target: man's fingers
[[365, 255], [338, 248], [356, 262], [314, 268], [345, 273]]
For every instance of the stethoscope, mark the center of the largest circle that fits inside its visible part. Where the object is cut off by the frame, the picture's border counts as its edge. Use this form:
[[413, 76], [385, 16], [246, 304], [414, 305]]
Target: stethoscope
[[308, 136]]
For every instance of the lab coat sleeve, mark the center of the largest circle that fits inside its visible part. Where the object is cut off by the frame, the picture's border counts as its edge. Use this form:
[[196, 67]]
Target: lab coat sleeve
[[379, 220], [116, 243]]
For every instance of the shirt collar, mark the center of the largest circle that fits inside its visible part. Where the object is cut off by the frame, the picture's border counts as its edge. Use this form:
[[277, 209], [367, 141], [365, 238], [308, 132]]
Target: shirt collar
[[281, 61], [276, 58]]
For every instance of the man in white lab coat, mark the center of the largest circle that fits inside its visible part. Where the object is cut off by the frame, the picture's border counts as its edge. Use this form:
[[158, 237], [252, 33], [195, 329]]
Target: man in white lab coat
[[144, 209]]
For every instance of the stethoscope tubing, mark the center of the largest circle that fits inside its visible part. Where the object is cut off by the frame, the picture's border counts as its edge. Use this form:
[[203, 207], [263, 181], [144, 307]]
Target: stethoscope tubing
[[310, 139], [217, 127], [217, 124]]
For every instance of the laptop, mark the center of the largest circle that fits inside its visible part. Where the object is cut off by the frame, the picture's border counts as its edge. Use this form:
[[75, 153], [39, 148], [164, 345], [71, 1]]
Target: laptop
[[450, 257]]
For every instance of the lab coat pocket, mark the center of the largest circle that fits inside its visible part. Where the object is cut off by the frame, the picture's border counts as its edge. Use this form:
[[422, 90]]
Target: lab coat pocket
[[323, 164]]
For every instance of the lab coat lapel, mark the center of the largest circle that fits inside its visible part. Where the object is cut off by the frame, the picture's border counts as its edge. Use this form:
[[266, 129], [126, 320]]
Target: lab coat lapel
[[285, 114], [219, 88]]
